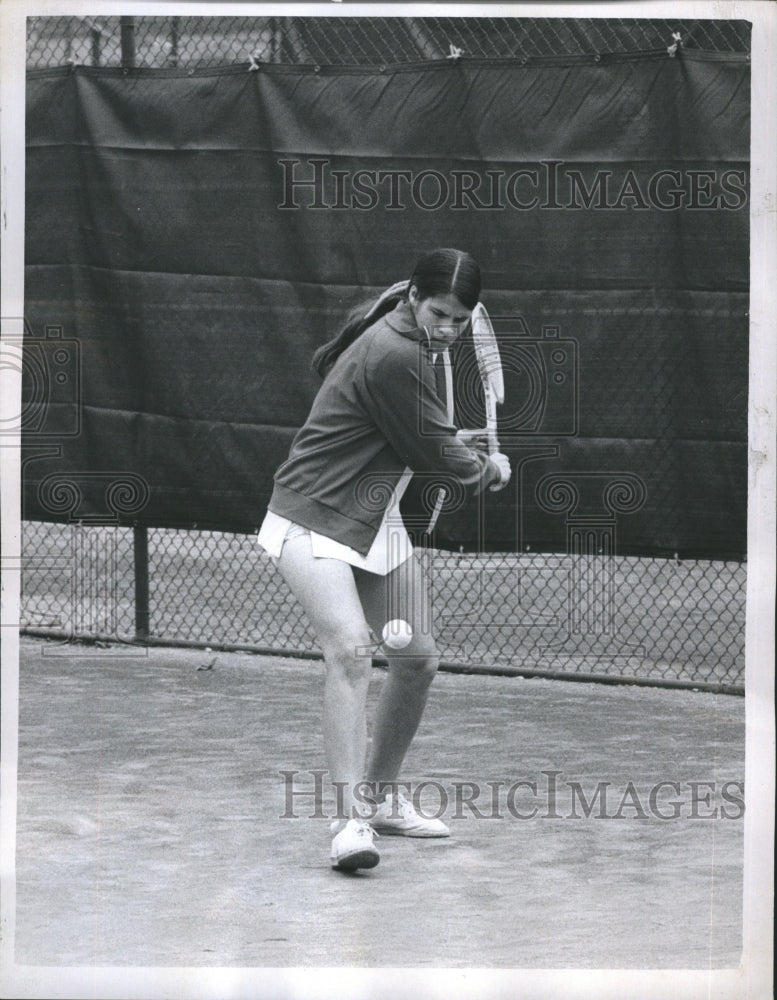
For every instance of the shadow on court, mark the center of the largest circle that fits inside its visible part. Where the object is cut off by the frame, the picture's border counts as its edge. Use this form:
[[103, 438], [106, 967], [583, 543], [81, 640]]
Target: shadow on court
[[151, 833]]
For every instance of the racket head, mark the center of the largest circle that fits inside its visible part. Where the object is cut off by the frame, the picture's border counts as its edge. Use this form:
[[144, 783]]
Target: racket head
[[487, 352]]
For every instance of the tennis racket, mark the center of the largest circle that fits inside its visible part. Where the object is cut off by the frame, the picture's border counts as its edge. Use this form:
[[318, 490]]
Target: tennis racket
[[489, 363], [490, 369]]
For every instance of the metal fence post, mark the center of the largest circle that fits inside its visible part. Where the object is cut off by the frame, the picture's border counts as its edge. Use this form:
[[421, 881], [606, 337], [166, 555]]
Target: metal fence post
[[142, 609], [175, 31], [128, 42], [96, 45]]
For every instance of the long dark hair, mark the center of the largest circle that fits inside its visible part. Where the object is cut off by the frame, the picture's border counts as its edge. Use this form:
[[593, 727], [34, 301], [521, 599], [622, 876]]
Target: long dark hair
[[441, 272]]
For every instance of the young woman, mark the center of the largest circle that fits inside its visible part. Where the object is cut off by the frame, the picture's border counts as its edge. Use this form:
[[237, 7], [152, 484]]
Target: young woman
[[334, 530]]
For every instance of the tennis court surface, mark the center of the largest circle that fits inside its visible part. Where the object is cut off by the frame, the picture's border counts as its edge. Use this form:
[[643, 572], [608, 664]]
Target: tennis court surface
[[153, 825]]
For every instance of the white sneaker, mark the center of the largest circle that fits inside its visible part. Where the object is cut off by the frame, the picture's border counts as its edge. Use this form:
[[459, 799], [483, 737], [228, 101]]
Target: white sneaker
[[396, 815], [353, 848]]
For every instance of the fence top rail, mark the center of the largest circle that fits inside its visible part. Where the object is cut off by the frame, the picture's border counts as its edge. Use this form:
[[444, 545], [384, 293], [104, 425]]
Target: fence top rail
[[158, 42]]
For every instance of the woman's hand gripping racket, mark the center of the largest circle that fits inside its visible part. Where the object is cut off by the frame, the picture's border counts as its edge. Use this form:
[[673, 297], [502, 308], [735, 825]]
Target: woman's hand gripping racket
[[492, 377]]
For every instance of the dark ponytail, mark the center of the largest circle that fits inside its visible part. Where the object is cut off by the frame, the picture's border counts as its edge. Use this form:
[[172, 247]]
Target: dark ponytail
[[359, 319], [440, 272]]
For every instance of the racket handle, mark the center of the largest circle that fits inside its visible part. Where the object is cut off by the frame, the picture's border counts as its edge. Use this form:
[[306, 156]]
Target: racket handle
[[493, 442], [436, 512]]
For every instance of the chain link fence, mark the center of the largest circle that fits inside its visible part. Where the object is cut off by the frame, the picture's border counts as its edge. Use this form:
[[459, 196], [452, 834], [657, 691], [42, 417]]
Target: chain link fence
[[201, 42], [644, 620], [660, 621]]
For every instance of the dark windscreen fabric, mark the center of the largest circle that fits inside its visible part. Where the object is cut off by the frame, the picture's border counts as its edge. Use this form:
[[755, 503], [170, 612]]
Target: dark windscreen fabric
[[194, 237]]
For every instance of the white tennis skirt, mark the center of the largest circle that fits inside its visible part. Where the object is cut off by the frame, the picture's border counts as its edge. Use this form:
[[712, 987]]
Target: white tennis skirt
[[391, 547]]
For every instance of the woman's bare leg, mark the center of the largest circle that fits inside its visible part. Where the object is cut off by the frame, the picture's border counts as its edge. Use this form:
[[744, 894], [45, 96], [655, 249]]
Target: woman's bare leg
[[402, 594], [327, 592]]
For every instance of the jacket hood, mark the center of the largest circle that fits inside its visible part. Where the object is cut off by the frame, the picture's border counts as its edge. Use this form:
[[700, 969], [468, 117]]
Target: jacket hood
[[402, 320]]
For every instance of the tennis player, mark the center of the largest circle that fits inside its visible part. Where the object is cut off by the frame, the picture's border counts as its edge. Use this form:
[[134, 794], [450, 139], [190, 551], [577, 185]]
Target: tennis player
[[334, 530]]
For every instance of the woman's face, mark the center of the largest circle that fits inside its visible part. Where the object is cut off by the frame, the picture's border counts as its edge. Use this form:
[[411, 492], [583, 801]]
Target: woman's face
[[442, 316]]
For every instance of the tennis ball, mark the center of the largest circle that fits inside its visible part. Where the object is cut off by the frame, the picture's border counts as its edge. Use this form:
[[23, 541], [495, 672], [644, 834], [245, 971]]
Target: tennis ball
[[397, 634]]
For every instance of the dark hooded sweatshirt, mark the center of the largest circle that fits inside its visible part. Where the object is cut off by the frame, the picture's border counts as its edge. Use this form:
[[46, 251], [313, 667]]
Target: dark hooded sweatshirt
[[377, 412]]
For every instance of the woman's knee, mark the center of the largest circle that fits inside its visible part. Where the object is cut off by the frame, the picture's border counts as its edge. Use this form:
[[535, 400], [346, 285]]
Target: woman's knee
[[348, 655], [418, 669]]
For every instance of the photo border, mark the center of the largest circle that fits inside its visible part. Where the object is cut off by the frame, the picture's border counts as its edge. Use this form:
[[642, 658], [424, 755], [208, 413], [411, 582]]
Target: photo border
[[753, 977]]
